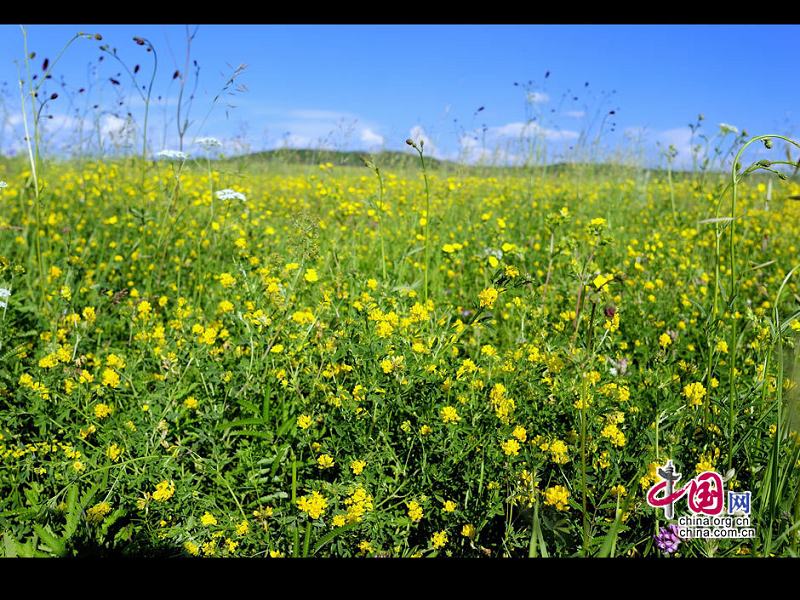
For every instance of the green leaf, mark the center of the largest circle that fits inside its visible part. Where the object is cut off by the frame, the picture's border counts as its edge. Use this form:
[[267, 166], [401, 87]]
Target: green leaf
[[330, 536], [10, 546], [241, 422], [73, 512], [55, 544]]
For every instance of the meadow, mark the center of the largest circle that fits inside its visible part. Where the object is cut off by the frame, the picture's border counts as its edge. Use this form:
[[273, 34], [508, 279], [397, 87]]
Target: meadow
[[223, 358]]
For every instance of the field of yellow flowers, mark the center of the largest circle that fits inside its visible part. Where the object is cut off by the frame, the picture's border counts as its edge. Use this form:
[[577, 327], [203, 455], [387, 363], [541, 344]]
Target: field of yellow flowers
[[207, 360]]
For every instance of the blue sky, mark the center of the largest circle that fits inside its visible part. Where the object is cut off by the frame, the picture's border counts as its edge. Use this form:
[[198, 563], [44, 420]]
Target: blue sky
[[369, 87]]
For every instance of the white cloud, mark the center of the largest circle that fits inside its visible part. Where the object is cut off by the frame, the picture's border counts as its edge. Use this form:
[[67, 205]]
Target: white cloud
[[370, 138], [532, 129], [655, 143], [680, 138], [508, 144], [538, 97], [116, 130], [418, 134], [319, 128], [293, 140], [472, 151], [575, 114], [111, 125]]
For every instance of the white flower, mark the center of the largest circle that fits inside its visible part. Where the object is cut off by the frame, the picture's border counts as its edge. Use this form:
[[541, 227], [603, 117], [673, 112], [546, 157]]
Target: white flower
[[208, 142], [173, 155], [3, 184], [231, 195], [5, 292], [726, 128]]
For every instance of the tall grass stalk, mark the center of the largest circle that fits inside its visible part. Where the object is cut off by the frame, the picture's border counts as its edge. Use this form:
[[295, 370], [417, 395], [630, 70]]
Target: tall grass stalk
[[379, 211], [420, 150], [736, 177]]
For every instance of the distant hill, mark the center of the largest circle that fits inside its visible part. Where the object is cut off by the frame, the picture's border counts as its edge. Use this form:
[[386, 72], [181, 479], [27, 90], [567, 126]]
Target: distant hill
[[387, 159], [393, 160]]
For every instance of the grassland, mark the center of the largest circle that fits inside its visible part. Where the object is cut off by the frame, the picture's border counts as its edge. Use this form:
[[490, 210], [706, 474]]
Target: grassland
[[388, 361]]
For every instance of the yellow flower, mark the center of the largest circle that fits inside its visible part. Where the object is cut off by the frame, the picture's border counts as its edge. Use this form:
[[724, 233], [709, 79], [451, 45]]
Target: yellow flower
[[415, 512], [209, 548], [558, 452], [664, 340], [227, 280], [439, 540], [242, 528], [208, 519], [365, 547], [510, 447], [704, 464], [449, 414], [49, 361], [110, 378], [96, 513], [468, 530], [557, 496], [325, 461], [304, 421], [313, 505], [694, 392], [101, 410], [488, 297], [612, 432], [114, 452], [602, 280], [619, 491], [191, 548], [339, 521], [449, 506], [115, 362], [311, 276], [722, 346], [384, 329], [520, 433], [358, 466], [164, 491], [191, 403], [303, 317]]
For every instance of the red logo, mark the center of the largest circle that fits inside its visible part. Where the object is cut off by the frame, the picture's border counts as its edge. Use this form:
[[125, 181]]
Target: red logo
[[704, 493]]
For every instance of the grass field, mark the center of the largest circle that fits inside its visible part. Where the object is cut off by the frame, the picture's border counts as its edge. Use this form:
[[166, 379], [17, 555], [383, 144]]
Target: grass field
[[362, 361]]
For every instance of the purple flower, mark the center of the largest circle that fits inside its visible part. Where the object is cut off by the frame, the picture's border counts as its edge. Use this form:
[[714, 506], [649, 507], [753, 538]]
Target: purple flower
[[667, 539]]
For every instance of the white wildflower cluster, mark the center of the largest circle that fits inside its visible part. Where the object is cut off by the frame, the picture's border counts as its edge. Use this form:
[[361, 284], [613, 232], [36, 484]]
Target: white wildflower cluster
[[208, 143], [228, 194], [173, 155], [727, 128], [496, 252], [4, 293], [3, 184]]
